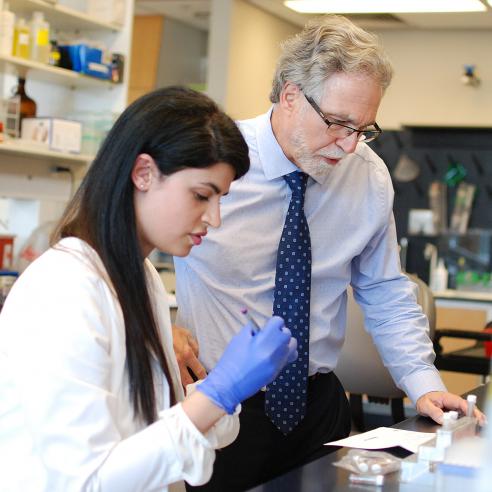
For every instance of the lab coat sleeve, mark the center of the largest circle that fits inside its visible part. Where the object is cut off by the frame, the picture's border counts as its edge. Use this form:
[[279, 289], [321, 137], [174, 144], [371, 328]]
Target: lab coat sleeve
[[66, 337], [169, 450]]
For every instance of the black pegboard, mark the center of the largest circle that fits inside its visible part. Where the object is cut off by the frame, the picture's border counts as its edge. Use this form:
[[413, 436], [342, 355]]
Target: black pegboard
[[434, 149]]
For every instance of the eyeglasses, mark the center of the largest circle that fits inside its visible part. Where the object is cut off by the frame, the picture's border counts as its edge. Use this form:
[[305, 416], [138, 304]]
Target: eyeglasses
[[343, 131]]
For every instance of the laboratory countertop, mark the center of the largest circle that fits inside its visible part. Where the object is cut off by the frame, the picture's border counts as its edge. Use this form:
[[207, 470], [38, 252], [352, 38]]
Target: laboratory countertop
[[322, 476], [463, 295]]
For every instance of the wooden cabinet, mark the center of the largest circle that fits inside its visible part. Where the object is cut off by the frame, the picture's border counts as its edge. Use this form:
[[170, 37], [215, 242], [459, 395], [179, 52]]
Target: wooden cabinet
[[463, 315], [146, 47]]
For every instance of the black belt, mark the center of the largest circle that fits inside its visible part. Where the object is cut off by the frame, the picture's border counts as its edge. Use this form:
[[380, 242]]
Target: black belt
[[317, 375]]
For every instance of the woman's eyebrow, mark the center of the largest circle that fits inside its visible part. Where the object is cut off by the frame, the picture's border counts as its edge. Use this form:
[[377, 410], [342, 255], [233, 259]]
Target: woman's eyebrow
[[212, 185]]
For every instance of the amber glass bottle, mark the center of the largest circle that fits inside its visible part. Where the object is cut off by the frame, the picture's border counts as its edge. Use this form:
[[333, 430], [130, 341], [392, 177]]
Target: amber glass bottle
[[27, 105]]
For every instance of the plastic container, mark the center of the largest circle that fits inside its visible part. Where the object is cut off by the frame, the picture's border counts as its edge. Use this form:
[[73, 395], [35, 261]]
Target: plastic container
[[86, 59], [22, 39], [40, 38], [55, 55], [439, 282], [7, 25]]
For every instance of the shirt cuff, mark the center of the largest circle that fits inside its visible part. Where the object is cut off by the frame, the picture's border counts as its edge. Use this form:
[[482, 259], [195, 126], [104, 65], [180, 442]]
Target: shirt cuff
[[194, 451], [419, 383]]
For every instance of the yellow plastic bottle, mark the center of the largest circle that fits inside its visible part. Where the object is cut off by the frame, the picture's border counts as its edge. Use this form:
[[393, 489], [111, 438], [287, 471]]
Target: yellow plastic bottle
[[22, 41], [40, 38]]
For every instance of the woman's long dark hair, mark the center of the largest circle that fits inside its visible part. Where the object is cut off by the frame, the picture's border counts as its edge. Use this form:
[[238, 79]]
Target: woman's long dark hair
[[180, 129]]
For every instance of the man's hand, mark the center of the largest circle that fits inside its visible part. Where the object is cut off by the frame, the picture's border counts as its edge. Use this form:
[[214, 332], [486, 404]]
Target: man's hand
[[434, 403], [186, 350]]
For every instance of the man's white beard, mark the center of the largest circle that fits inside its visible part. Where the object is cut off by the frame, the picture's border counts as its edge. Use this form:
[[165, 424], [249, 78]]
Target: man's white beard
[[313, 165]]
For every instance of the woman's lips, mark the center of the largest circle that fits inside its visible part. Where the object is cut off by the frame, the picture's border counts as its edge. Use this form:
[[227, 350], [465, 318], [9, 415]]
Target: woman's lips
[[197, 238]]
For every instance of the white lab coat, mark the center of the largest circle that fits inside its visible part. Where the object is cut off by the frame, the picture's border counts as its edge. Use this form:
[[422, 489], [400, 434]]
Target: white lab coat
[[66, 420]]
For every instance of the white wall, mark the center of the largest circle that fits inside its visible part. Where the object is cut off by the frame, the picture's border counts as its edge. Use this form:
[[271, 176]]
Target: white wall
[[254, 50], [243, 49], [427, 89]]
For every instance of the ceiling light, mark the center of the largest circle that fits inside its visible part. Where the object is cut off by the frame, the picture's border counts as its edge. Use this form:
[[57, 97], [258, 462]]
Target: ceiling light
[[384, 6]]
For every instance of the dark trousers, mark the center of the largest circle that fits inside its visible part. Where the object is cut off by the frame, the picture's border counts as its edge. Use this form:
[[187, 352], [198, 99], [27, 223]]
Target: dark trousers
[[261, 452]]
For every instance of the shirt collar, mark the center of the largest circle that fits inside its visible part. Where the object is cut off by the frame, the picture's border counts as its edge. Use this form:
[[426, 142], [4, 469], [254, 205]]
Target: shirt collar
[[272, 157], [275, 163]]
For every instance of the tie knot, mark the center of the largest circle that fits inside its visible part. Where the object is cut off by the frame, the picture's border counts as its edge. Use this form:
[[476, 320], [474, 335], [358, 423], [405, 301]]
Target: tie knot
[[297, 181]]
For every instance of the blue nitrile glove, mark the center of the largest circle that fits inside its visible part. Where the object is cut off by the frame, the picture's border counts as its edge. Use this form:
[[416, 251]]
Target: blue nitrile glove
[[249, 362]]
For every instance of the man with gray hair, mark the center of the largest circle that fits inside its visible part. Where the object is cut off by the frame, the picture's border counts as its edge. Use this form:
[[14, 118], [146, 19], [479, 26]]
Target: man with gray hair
[[311, 217]]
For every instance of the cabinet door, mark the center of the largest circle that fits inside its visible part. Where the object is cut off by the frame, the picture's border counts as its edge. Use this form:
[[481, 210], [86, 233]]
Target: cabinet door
[[146, 47], [460, 319]]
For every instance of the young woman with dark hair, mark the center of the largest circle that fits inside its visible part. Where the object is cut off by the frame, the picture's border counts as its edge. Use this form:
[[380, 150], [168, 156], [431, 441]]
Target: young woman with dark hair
[[88, 380]]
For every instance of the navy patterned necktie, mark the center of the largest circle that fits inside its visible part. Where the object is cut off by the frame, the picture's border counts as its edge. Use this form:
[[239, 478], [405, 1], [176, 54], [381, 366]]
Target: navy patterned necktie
[[285, 398]]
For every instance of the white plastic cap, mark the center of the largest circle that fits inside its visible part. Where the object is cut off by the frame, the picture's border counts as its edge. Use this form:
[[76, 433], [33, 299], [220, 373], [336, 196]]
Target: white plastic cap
[[472, 398], [446, 419], [453, 414]]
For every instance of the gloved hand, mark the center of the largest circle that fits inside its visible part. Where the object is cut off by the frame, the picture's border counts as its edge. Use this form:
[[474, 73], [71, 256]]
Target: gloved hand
[[249, 362]]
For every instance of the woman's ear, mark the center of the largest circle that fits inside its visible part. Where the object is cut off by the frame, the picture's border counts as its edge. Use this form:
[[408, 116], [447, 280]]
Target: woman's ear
[[143, 171]]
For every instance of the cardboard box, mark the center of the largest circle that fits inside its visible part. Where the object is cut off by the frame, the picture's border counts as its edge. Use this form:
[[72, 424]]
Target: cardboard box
[[112, 11], [55, 133]]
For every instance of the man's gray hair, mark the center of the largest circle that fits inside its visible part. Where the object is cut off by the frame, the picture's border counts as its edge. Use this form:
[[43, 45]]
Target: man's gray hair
[[325, 46]]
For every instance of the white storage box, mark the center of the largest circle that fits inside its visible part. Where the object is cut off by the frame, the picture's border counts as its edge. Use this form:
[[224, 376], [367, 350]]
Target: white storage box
[[112, 11], [55, 133]]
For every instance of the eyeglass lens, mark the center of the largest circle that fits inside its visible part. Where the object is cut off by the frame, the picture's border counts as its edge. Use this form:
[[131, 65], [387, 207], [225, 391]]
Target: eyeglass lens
[[341, 131]]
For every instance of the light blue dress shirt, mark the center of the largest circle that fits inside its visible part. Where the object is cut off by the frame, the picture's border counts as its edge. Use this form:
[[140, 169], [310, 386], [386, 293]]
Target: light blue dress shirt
[[353, 237]]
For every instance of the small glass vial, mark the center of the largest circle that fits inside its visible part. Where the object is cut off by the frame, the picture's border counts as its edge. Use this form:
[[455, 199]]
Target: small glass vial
[[55, 54]]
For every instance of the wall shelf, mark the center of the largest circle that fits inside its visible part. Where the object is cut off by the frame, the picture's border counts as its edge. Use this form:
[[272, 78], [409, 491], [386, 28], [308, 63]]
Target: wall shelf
[[61, 17], [48, 73], [13, 148]]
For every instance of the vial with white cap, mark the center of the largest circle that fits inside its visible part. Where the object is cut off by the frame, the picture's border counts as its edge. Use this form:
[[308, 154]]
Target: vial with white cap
[[446, 420], [471, 401]]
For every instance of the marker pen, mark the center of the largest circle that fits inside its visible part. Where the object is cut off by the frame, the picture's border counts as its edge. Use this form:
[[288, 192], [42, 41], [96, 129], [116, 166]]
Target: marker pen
[[256, 329], [254, 324]]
